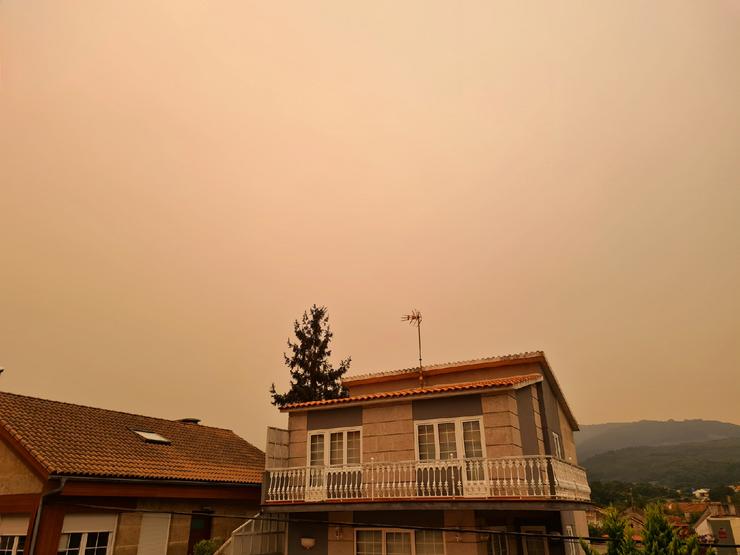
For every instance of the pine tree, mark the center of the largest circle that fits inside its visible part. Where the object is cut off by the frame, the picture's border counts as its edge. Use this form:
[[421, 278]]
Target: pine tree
[[313, 377], [618, 530], [658, 536]]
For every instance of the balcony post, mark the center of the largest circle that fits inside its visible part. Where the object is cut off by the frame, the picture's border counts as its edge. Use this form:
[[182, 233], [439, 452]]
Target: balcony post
[[372, 478]]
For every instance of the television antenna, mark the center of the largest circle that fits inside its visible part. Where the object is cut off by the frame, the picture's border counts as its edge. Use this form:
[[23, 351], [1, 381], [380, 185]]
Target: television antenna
[[415, 320]]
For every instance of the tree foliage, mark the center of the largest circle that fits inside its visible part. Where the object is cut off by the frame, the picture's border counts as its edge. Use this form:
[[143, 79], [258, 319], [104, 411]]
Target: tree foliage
[[313, 378], [207, 547], [659, 537], [624, 494]]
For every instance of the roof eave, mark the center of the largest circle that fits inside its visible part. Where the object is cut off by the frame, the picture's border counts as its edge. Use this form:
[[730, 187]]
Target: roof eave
[[388, 400]]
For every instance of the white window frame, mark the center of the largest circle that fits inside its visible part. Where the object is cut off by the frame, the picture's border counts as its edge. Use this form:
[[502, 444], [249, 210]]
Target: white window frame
[[531, 529], [383, 531], [85, 524], [16, 539], [557, 445], [83, 540], [459, 441], [327, 444]]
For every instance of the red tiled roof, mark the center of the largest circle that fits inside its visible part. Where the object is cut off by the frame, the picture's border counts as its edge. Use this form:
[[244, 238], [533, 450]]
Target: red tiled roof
[[75, 440], [413, 370], [417, 391]]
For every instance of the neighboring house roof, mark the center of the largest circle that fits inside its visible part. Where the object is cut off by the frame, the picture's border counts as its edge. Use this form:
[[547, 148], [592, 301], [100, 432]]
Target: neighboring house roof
[[419, 391], [463, 365], [75, 440], [687, 507]]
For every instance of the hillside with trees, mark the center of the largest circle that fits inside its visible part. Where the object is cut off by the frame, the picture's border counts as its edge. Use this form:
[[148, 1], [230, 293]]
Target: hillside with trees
[[599, 438], [687, 465]]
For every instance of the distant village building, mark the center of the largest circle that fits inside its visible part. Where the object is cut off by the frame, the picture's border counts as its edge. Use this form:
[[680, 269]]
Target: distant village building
[[78, 480], [702, 493], [720, 523]]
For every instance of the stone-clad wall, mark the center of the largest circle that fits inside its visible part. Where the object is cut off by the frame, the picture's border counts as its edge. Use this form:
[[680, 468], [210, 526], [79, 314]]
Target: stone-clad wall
[[388, 433], [501, 423], [298, 431]]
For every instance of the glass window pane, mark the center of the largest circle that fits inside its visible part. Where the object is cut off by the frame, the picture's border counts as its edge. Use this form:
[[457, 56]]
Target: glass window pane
[[498, 545], [429, 542], [336, 448], [427, 450], [69, 544], [369, 542], [398, 543], [447, 443], [21, 545], [353, 447], [317, 450], [471, 439], [6, 545], [97, 543]]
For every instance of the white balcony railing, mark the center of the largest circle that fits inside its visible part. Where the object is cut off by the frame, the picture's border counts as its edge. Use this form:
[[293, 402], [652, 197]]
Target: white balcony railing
[[536, 477]]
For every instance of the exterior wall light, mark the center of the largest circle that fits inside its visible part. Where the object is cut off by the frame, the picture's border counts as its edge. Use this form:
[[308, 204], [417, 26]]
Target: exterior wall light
[[338, 533], [308, 543]]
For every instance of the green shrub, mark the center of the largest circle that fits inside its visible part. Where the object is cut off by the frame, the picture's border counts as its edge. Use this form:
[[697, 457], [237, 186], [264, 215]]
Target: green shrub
[[207, 547]]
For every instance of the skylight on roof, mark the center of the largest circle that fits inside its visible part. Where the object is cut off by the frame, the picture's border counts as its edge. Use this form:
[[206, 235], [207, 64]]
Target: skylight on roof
[[152, 437]]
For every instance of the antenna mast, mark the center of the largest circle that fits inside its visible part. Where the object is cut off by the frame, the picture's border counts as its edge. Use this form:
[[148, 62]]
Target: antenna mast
[[415, 320]]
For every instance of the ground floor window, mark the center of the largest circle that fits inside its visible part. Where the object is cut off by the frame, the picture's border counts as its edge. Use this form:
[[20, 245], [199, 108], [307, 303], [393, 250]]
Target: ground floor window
[[12, 545], [84, 543], [534, 545], [498, 544], [399, 542]]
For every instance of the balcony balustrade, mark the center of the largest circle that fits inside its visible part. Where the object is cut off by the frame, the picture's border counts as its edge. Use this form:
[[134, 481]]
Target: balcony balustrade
[[526, 477]]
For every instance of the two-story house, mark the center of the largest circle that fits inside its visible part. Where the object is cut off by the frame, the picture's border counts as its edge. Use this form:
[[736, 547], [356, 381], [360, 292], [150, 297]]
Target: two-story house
[[78, 480], [465, 458]]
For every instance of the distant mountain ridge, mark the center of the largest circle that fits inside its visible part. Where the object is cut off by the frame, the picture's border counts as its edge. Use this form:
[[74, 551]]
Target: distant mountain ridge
[[594, 439], [692, 465]]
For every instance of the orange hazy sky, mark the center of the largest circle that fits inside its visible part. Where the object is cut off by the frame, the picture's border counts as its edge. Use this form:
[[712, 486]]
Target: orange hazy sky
[[180, 180]]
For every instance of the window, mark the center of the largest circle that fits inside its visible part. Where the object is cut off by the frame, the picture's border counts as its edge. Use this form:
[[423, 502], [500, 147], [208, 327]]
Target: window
[[70, 544], [84, 543], [399, 542], [97, 543], [353, 447], [445, 439], [429, 542], [427, 449], [344, 447], [532, 544], [498, 544], [12, 545], [317, 450], [557, 445], [369, 542], [152, 437]]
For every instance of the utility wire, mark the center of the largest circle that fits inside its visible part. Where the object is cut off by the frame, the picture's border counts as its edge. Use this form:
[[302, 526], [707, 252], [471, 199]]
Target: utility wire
[[459, 530]]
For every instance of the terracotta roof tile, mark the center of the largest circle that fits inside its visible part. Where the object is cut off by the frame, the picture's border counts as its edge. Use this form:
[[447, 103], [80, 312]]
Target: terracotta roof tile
[[411, 370], [418, 391], [76, 440]]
